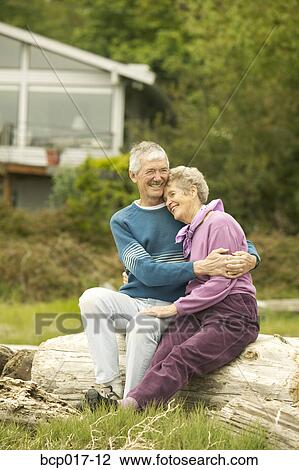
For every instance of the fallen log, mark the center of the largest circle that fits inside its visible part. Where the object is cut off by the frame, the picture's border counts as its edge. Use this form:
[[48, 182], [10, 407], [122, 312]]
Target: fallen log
[[25, 402], [269, 367], [19, 365], [280, 420], [279, 305], [260, 387], [5, 354], [63, 366]]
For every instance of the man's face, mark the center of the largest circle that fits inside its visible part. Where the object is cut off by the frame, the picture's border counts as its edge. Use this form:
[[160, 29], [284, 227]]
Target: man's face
[[151, 180]]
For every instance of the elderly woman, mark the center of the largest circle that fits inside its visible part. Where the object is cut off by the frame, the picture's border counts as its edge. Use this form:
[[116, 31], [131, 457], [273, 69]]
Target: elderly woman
[[217, 318]]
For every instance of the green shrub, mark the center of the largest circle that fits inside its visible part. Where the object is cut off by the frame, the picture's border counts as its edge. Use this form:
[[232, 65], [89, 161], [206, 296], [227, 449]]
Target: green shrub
[[63, 186], [92, 194], [15, 223], [278, 274], [53, 267]]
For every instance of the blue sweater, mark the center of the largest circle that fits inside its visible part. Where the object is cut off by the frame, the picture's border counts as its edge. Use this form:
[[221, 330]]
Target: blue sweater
[[145, 241]]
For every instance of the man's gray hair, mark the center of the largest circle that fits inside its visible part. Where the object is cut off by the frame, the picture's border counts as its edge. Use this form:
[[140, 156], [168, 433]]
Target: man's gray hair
[[145, 151]]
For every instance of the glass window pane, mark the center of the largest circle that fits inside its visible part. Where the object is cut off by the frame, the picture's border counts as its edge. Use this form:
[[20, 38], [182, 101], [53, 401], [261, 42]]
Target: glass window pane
[[8, 114], [53, 118], [10, 51], [39, 61]]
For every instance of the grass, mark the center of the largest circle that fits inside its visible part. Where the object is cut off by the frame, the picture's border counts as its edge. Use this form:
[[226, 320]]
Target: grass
[[18, 321], [152, 429], [282, 323], [173, 428]]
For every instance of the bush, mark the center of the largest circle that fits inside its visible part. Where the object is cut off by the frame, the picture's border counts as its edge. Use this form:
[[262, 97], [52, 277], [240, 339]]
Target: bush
[[54, 267], [63, 186], [278, 274], [15, 223], [43, 257], [92, 194]]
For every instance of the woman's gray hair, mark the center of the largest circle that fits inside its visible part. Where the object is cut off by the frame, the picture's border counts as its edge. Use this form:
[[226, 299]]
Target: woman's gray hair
[[145, 151], [187, 177]]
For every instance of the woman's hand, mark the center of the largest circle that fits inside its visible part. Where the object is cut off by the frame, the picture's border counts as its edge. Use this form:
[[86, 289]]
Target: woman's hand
[[161, 312]]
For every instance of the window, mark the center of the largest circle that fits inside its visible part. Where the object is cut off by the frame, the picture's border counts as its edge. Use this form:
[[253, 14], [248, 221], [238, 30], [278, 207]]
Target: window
[[54, 119], [9, 52], [38, 60], [8, 114]]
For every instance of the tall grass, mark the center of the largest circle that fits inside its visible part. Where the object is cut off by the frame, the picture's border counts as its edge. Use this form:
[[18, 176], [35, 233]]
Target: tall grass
[[173, 428]]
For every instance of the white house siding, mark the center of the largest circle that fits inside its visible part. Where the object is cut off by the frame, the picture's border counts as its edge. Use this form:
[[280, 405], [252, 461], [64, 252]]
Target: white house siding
[[36, 71]]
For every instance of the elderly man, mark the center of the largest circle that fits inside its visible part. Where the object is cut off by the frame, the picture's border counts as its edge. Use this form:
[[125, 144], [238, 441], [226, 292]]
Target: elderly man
[[144, 233]]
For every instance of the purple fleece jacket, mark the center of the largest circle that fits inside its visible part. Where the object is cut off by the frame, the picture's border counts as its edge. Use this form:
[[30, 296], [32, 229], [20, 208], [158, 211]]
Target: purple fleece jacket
[[219, 230]]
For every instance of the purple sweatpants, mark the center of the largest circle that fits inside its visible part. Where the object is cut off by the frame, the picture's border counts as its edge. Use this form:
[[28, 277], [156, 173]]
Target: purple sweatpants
[[196, 345]]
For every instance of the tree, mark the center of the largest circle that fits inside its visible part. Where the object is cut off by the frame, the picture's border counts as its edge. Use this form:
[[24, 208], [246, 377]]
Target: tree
[[199, 50]]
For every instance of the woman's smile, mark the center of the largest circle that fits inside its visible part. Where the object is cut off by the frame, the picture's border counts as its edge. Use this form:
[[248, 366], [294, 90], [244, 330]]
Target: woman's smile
[[181, 204]]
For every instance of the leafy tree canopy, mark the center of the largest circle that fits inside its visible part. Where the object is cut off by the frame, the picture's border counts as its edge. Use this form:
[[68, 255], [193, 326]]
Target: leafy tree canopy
[[200, 50]]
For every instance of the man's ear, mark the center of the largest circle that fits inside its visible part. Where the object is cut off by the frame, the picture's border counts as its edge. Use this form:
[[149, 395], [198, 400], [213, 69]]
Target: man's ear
[[133, 176]]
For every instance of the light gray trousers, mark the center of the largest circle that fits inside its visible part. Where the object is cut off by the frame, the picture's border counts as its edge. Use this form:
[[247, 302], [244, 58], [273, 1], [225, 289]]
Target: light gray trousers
[[105, 312]]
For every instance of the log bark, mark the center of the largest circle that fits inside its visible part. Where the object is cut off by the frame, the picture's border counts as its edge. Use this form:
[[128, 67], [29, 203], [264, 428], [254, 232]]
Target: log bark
[[281, 421], [19, 365], [269, 367], [63, 366], [24, 402], [5, 354], [279, 305]]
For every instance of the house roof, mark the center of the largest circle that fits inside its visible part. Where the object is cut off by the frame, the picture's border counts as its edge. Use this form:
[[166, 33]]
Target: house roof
[[137, 72]]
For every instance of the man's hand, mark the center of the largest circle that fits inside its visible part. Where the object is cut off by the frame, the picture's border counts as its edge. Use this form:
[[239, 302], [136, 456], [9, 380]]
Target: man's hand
[[220, 263], [161, 312], [242, 261]]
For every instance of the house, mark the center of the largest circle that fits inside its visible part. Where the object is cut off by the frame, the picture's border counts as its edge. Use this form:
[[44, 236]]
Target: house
[[60, 104]]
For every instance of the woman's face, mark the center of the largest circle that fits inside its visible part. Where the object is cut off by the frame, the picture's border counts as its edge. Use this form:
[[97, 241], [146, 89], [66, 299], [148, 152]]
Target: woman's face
[[180, 203]]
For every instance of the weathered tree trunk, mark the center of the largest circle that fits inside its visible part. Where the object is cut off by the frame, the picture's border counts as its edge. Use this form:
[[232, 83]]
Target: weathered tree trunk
[[63, 366], [261, 386], [269, 367], [25, 402], [5, 354], [19, 365], [280, 420]]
